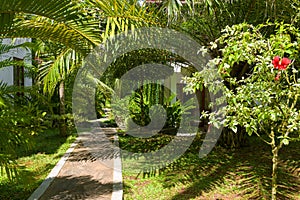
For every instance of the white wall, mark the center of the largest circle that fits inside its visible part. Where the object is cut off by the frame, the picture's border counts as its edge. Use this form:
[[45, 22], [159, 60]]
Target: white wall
[[6, 74]]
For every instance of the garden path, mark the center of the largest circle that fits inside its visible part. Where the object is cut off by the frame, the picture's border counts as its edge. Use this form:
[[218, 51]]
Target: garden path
[[91, 171]]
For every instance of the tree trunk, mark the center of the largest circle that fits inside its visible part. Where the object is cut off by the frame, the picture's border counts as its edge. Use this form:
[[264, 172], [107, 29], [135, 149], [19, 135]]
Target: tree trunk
[[62, 112], [143, 117], [274, 171]]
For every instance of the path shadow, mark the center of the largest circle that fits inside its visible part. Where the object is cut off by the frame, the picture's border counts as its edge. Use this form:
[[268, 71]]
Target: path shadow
[[243, 173], [81, 187], [98, 144]]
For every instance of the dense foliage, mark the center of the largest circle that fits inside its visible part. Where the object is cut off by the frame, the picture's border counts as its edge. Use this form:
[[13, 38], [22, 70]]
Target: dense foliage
[[258, 62], [261, 83]]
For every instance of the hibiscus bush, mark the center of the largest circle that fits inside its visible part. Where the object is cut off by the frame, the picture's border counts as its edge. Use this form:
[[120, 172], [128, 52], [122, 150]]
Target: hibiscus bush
[[259, 66]]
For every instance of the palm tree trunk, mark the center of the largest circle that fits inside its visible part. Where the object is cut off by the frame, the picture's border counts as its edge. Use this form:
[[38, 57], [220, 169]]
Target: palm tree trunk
[[143, 118], [62, 112]]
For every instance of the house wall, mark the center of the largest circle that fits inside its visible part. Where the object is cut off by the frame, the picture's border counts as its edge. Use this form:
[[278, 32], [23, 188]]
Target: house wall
[[6, 74]]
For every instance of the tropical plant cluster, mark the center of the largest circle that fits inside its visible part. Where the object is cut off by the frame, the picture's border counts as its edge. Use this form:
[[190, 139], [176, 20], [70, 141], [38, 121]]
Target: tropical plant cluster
[[253, 46], [260, 74]]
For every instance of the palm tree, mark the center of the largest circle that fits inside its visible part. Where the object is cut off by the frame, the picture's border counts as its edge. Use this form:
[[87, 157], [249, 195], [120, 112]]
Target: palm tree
[[81, 25], [65, 60], [77, 25]]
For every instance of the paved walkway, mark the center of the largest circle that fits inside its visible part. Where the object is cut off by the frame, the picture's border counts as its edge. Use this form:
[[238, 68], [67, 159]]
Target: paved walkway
[[90, 170]]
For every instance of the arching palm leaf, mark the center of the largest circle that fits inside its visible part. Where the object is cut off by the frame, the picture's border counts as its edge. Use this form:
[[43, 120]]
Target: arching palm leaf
[[64, 21], [122, 16], [56, 70], [76, 24]]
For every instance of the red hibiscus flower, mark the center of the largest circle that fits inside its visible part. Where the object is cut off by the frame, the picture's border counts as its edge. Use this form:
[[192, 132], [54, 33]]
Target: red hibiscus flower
[[276, 61], [280, 64]]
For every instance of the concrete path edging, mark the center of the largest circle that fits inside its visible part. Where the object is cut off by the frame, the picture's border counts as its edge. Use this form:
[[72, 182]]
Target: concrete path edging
[[117, 192], [54, 172]]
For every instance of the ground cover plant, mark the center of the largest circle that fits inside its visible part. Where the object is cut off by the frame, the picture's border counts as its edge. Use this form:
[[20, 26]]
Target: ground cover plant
[[223, 174], [34, 164]]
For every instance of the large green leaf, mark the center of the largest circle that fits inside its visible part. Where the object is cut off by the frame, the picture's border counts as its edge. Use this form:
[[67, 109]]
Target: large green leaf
[[58, 10], [63, 21]]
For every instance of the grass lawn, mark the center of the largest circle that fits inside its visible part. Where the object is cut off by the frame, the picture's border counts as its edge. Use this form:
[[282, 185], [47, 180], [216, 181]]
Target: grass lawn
[[35, 164], [223, 174]]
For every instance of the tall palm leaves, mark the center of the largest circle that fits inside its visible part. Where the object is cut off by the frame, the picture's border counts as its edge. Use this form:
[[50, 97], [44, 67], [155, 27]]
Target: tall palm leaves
[[122, 16], [66, 22], [78, 25], [58, 68]]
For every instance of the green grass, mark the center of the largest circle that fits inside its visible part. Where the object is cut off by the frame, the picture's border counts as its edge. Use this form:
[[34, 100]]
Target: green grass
[[223, 174], [34, 165]]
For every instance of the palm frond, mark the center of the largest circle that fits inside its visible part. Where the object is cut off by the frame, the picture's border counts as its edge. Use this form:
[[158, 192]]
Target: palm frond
[[5, 48], [57, 32], [79, 25], [173, 8], [101, 86], [123, 16], [52, 72], [57, 10], [63, 21]]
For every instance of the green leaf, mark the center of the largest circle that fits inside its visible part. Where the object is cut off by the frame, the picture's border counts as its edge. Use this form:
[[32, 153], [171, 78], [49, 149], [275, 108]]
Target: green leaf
[[234, 129], [273, 116], [285, 141]]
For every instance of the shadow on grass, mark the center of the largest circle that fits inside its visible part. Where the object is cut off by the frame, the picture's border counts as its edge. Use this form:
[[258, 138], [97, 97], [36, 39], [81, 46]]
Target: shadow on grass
[[47, 142], [33, 164], [25, 183], [247, 171], [243, 173]]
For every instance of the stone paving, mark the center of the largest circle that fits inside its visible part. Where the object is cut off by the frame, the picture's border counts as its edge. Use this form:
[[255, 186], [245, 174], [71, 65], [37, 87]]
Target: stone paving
[[88, 173]]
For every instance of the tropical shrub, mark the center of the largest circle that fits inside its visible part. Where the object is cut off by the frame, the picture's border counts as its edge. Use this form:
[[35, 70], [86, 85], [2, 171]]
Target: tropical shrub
[[261, 84], [19, 118], [140, 108], [18, 123]]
